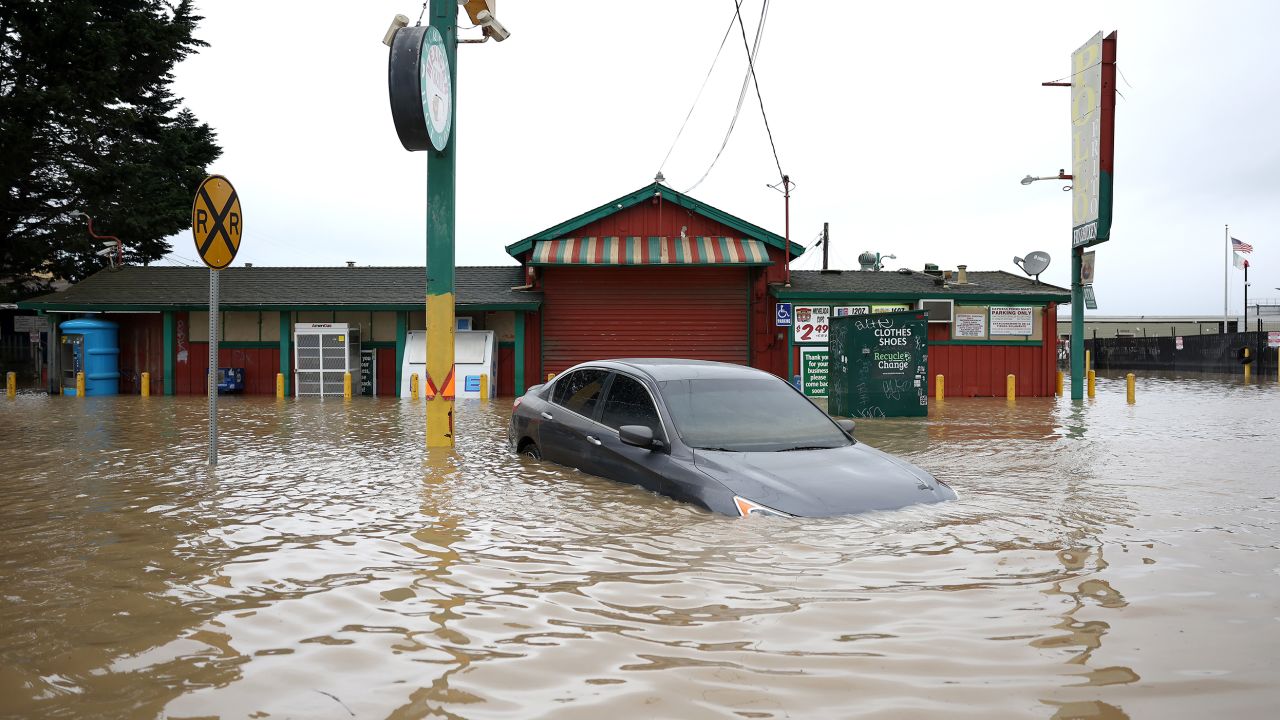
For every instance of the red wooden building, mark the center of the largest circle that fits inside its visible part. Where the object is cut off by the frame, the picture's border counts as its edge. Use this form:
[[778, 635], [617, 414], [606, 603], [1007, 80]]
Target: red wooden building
[[653, 273]]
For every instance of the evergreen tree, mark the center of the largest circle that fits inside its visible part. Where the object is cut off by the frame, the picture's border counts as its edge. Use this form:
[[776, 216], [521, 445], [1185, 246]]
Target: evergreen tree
[[88, 124]]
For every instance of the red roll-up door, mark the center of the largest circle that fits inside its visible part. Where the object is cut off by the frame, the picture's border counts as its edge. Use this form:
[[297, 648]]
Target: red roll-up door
[[593, 313]]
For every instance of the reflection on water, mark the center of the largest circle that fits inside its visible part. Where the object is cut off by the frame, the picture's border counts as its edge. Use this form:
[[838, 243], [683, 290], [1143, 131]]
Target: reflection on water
[[1104, 561]]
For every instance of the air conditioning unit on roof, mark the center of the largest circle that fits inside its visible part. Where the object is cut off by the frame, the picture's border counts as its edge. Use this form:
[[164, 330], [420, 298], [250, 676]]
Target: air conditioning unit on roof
[[940, 311]]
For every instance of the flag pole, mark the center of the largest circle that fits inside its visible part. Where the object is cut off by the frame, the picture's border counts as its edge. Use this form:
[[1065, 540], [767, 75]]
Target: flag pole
[[1226, 229]]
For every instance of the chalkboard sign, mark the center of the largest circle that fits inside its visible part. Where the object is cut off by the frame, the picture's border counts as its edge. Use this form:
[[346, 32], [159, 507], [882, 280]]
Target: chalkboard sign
[[368, 372], [879, 365]]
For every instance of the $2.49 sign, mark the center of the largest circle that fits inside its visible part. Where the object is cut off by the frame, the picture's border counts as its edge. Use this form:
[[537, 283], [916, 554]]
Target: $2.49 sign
[[811, 323]]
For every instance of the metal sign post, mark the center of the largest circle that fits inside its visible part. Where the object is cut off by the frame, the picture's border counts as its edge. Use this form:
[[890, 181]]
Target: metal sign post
[[216, 225], [213, 368]]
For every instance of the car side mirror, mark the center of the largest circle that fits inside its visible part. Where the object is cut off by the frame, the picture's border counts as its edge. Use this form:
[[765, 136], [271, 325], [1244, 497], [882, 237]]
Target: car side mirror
[[636, 435], [846, 425]]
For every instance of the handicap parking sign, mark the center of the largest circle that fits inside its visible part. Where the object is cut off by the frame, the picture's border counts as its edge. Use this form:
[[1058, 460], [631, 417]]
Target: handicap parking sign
[[782, 316]]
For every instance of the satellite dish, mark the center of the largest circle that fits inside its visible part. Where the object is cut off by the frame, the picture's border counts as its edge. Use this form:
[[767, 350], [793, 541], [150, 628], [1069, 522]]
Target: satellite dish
[[1034, 264]]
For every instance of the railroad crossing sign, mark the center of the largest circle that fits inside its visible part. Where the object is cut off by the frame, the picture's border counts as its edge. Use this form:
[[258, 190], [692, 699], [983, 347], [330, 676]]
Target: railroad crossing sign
[[216, 222]]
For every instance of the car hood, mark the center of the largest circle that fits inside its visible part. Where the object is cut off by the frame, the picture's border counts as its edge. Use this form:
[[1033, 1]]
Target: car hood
[[819, 483]]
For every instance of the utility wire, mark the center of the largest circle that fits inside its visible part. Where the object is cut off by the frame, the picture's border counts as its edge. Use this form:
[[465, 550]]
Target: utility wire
[[742, 96], [764, 11], [698, 96]]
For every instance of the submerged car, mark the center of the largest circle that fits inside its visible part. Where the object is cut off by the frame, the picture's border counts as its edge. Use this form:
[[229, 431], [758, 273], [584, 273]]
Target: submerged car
[[732, 439]]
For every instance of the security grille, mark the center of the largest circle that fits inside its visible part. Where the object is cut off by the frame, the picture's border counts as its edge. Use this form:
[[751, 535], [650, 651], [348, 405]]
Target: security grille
[[323, 354]]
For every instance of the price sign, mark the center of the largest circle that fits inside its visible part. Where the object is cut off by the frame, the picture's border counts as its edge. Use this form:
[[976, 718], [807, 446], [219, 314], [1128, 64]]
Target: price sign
[[811, 324]]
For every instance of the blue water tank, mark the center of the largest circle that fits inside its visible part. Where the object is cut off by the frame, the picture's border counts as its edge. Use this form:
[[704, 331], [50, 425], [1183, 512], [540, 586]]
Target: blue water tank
[[97, 355]]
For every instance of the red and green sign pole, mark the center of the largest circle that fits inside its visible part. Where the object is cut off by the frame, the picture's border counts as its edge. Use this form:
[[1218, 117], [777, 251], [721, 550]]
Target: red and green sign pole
[[1093, 90]]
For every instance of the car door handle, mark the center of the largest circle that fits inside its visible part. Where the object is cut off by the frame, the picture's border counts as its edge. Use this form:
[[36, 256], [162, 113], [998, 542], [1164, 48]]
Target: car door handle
[[547, 416], [593, 440]]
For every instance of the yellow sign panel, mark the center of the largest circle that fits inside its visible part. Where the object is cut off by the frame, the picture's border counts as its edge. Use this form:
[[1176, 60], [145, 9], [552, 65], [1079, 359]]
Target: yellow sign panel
[[216, 222]]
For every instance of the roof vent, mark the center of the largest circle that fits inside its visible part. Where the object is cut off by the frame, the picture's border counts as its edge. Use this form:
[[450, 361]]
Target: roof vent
[[962, 274], [866, 260], [248, 264], [932, 269], [351, 263]]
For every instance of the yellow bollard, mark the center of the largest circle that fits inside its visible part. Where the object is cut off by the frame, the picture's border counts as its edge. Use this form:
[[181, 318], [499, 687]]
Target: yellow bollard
[[80, 384], [413, 386], [1129, 388], [484, 386], [280, 385], [1246, 366], [11, 384], [1092, 383], [1088, 360], [145, 381], [939, 387], [1059, 383], [346, 385], [1011, 387]]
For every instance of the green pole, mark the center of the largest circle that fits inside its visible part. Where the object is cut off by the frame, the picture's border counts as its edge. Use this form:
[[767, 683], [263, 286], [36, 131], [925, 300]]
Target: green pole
[[286, 348], [791, 363], [168, 351], [517, 357], [1077, 325], [402, 334], [441, 200]]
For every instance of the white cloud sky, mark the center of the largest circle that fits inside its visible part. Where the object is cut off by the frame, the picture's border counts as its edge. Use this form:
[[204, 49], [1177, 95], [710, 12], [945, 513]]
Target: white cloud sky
[[906, 126]]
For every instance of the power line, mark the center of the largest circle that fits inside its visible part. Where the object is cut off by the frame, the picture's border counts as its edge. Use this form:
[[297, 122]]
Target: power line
[[698, 96], [764, 11], [742, 96]]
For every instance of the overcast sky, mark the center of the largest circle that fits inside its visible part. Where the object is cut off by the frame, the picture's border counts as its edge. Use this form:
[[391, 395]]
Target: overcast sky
[[906, 126]]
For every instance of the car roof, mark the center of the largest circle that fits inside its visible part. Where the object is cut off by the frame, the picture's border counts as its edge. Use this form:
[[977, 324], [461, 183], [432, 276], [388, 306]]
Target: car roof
[[664, 369]]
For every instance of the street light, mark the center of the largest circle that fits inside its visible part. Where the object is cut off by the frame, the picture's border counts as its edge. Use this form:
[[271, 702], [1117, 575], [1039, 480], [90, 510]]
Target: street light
[[107, 250], [1062, 175]]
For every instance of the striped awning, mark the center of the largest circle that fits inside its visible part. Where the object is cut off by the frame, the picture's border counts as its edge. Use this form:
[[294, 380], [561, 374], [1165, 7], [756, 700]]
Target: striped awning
[[650, 251]]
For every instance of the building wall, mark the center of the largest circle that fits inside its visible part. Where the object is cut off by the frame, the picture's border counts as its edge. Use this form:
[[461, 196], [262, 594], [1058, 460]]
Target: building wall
[[978, 368], [141, 340]]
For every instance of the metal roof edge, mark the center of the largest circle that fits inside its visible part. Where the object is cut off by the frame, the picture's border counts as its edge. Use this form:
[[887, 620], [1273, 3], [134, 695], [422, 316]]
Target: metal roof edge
[[531, 305], [636, 197]]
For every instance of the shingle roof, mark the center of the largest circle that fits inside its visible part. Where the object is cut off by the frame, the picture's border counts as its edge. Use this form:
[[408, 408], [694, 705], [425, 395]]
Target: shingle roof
[[806, 283], [163, 288]]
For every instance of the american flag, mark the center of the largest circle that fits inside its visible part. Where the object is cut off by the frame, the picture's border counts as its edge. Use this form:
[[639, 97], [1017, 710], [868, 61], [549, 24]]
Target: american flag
[[1243, 247]]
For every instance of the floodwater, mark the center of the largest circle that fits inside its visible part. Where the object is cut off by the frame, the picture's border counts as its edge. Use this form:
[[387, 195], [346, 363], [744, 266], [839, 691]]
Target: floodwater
[[1104, 561]]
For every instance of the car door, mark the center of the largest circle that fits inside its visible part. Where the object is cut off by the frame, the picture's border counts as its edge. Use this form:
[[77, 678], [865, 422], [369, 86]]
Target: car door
[[567, 419], [629, 402]]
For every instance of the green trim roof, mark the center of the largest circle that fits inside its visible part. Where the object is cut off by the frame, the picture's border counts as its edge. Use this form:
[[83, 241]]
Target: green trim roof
[[286, 288], [646, 193], [983, 286]]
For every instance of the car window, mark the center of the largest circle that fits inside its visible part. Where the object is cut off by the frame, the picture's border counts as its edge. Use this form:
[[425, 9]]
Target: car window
[[629, 403], [579, 391], [758, 414]]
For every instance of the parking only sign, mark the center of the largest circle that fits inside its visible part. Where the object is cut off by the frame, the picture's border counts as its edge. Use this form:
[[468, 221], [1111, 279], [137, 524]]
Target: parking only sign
[[782, 317]]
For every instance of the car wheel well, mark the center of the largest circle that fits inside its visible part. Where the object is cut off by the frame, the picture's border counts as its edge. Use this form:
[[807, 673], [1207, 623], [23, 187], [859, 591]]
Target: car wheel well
[[524, 444]]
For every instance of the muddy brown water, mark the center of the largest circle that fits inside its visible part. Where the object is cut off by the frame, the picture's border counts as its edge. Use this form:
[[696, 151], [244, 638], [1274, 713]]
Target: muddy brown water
[[1104, 561]]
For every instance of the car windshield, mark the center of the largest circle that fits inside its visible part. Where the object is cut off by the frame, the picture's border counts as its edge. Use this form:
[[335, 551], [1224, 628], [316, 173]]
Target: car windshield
[[747, 415]]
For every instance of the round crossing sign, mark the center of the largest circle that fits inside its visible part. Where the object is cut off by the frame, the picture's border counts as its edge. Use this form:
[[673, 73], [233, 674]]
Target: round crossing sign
[[216, 222]]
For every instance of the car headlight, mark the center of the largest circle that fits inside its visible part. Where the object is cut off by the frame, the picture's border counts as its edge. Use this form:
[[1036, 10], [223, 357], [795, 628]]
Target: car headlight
[[747, 508]]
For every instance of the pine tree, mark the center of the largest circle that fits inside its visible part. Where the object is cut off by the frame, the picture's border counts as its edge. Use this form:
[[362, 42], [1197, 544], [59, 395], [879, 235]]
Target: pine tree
[[88, 123]]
